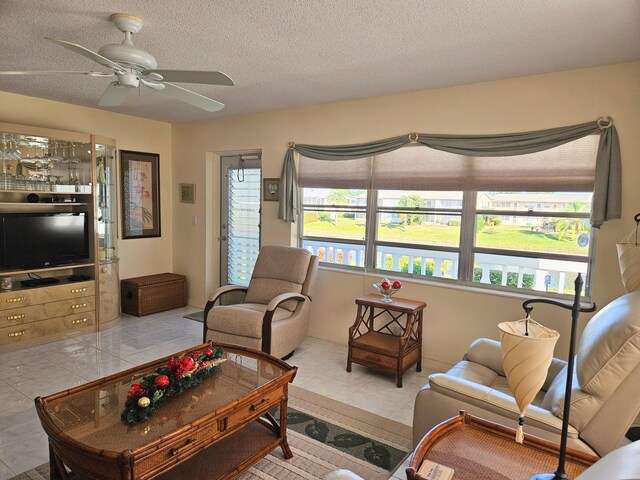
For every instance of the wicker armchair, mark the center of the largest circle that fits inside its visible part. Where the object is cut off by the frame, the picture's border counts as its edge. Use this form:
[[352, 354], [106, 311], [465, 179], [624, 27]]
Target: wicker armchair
[[274, 315]]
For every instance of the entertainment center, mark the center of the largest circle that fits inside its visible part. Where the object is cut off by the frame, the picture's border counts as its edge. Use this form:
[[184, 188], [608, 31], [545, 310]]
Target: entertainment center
[[58, 230]]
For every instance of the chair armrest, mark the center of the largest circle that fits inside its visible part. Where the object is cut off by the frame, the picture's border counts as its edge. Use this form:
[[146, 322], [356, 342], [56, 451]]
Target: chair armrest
[[487, 353], [218, 292], [213, 298], [275, 302], [495, 401], [620, 464]]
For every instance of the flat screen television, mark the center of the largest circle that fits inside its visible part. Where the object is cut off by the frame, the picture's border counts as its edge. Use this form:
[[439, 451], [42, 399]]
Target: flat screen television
[[39, 240]]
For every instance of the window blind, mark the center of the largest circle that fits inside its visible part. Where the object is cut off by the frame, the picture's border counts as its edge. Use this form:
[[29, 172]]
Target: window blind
[[354, 174], [567, 168]]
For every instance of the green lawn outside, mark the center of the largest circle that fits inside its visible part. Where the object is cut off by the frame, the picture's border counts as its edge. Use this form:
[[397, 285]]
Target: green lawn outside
[[503, 236]]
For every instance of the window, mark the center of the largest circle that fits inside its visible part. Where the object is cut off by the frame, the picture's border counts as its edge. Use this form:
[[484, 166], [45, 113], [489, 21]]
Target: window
[[532, 248], [335, 222], [465, 231], [418, 232]]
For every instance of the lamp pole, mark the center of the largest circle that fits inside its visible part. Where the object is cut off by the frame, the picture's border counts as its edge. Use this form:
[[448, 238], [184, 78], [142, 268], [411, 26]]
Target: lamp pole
[[560, 473]]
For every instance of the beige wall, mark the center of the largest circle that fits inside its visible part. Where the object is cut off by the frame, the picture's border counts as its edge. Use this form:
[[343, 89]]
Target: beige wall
[[454, 317], [139, 256]]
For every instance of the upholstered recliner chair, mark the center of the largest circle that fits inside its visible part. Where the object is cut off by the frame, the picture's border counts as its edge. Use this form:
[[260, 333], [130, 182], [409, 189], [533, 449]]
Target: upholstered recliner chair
[[274, 315], [606, 387]]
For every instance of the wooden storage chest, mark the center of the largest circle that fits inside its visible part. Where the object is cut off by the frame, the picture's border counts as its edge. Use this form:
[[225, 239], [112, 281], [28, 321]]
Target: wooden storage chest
[[153, 293]]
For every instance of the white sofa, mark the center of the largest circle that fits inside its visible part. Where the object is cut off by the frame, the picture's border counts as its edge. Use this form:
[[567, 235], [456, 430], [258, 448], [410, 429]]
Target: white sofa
[[606, 387]]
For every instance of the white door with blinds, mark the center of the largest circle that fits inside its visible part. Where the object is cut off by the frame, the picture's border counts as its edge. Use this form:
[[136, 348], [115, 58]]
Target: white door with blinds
[[241, 180]]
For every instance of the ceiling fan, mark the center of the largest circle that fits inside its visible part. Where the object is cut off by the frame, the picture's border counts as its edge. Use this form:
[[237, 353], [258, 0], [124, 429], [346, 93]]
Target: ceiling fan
[[132, 66]]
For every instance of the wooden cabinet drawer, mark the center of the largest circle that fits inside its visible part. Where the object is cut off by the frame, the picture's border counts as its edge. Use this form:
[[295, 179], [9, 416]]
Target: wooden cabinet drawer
[[20, 333], [34, 296], [198, 439], [173, 451], [34, 313], [367, 357], [256, 407]]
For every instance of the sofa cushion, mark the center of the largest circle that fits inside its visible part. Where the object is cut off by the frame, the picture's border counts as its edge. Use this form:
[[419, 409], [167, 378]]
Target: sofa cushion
[[244, 319], [610, 346], [609, 351], [278, 270], [473, 372], [476, 373], [583, 405]]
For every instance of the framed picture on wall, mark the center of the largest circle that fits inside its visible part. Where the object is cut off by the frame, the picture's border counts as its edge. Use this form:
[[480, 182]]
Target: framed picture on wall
[[187, 193], [270, 189], [140, 176]]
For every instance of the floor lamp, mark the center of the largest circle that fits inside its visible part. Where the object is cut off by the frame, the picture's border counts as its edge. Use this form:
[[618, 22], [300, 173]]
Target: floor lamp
[[560, 473]]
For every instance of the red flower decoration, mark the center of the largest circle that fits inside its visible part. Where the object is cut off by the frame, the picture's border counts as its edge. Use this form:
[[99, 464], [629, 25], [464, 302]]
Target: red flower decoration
[[173, 364], [161, 381], [136, 390], [208, 352]]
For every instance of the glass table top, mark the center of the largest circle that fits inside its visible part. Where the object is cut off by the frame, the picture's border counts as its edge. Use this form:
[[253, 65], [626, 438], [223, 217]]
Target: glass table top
[[91, 416]]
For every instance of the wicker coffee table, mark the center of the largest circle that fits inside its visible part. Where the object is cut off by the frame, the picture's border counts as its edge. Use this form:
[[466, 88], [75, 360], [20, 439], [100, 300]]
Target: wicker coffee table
[[477, 450], [212, 431]]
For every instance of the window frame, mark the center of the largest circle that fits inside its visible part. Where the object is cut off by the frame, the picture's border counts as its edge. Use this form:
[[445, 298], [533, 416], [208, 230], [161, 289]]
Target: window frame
[[466, 249]]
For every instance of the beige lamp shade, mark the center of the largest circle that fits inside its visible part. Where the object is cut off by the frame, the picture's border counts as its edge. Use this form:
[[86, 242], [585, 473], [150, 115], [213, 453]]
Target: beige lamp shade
[[527, 351]]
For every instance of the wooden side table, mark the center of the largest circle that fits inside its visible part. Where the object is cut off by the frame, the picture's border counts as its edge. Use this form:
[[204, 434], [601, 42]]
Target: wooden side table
[[383, 349], [476, 448]]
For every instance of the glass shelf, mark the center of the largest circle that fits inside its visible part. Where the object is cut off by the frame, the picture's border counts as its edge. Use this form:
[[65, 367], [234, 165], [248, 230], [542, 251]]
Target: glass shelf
[[30, 163], [106, 213]]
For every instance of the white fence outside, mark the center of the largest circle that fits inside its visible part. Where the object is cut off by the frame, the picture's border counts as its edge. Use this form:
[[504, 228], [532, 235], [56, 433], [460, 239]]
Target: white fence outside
[[547, 274]]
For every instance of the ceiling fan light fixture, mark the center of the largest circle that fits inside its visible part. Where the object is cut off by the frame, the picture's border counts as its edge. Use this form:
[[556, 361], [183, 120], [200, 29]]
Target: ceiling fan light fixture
[[128, 80]]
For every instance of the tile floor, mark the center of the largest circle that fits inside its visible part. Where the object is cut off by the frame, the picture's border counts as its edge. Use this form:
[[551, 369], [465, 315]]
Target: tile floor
[[56, 366]]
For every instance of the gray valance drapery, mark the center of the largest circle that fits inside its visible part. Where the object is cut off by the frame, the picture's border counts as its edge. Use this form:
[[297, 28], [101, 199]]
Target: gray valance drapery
[[607, 193]]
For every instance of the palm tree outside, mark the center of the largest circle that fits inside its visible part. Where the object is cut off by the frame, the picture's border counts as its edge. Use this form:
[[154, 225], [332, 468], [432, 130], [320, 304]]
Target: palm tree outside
[[573, 226], [338, 197]]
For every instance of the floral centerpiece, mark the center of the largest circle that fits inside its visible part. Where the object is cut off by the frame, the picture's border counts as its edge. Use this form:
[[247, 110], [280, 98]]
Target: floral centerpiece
[[178, 375]]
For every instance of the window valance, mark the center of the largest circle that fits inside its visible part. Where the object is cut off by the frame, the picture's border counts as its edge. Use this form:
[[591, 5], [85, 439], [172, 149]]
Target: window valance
[[574, 158]]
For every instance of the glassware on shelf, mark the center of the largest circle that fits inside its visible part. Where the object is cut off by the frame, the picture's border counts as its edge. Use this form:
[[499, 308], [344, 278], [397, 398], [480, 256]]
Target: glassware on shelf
[[106, 213]]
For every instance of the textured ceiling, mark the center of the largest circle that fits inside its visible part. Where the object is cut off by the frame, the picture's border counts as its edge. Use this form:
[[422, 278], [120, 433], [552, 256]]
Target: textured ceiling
[[285, 53]]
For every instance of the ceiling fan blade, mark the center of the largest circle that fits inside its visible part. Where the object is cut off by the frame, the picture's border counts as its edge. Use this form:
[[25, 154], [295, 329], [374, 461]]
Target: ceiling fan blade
[[190, 97], [193, 76], [59, 72], [85, 52], [114, 95]]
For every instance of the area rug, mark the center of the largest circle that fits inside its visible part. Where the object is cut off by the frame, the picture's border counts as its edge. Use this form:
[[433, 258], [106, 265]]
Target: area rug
[[197, 316], [324, 435]]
